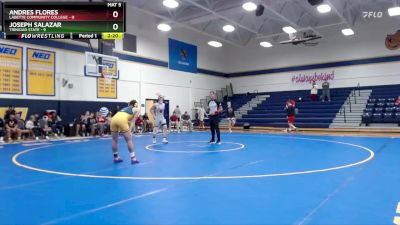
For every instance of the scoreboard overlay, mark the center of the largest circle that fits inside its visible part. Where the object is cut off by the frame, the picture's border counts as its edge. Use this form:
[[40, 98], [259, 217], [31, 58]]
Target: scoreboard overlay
[[63, 20]]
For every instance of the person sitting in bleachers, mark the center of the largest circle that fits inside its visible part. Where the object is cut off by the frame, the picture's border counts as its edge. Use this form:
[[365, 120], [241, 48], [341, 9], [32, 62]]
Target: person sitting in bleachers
[[21, 122], [101, 122], [44, 126], [2, 128], [139, 125], [55, 122], [12, 128], [25, 133], [107, 126], [32, 126], [148, 126], [173, 122], [397, 102], [80, 125], [186, 122], [10, 110], [91, 124]]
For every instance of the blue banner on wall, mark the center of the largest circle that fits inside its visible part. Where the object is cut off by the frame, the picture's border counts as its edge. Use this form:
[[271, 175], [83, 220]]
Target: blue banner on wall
[[182, 56]]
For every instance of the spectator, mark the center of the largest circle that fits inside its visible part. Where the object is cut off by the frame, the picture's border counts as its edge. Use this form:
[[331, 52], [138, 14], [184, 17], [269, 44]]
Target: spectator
[[201, 112], [36, 117], [290, 109], [49, 114], [397, 102], [12, 128], [326, 93], [101, 123], [2, 128], [108, 123], [81, 126], [44, 126], [139, 124], [21, 126], [32, 126], [178, 113], [231, 119], [10, 110], [173, 123], [148, 126], [186, 121], [91, 124], [314, 92], [21, 122], [55, 122], [86, 121]]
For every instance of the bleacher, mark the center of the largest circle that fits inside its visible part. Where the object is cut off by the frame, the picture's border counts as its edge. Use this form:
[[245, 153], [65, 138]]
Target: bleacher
[[237, 101], [381, 106], [271, 112]]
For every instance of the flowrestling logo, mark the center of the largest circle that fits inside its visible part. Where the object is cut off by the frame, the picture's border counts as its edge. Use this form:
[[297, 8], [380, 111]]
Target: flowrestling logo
[[372, 14], [309, 78]]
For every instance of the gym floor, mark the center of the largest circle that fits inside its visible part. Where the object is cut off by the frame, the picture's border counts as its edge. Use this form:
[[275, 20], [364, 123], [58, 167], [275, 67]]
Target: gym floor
[[251, 178]]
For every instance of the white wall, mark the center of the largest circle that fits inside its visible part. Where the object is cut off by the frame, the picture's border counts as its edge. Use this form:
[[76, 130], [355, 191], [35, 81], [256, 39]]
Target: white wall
[[141, 81], [367, 43], [137, 81], [368, 75], [152, 43]]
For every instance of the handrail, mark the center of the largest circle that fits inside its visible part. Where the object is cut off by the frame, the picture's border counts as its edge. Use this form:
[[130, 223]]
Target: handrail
[[343, 112], [355, 99], [349, 102]]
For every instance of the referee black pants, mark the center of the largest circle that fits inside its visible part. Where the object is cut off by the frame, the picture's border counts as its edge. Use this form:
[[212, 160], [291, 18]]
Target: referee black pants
[[214, 127]]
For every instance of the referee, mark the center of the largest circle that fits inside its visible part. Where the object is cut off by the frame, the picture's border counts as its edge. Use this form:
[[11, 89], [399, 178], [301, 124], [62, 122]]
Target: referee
[[215, 108]]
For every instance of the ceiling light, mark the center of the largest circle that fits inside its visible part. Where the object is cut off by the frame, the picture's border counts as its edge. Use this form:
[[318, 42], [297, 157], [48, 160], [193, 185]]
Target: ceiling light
[[289, 30], [164, 27], [266, 44], [347, 32], [228, 28], [395, 11], [215, 44], [172, 4], [249, 6], [324, 8]]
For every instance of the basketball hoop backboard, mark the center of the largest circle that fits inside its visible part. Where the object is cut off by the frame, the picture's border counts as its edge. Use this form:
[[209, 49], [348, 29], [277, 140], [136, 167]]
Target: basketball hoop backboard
[[99, 65]]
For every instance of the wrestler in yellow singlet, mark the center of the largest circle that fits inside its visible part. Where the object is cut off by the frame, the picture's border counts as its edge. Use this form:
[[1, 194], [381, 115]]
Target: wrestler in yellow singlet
[[120, 121], [120, 124]]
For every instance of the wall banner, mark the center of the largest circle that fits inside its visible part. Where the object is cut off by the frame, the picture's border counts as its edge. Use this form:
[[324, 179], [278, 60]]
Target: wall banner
[[11, 69], [106, 88], [40, 72]]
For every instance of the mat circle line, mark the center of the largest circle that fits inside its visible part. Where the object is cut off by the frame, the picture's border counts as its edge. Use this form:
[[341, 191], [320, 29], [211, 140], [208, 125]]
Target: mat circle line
[[150, 147], [370, 157]]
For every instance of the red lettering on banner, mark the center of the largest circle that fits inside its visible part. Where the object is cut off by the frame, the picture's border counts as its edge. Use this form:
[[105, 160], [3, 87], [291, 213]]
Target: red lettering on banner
[[308, 78]]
